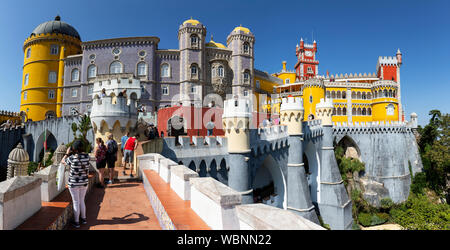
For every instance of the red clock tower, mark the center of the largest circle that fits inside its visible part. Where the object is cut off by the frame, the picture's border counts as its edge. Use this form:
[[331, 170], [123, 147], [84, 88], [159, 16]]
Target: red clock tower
[[307, 66]]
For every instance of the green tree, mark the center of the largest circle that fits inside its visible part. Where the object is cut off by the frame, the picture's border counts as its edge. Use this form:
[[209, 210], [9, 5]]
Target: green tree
[[83, 128]]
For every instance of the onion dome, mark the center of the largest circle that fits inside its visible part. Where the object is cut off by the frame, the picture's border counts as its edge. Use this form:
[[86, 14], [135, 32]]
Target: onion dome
[[191, 22], [56, 26], [61, 149], [213, 44], [413, 115], [241, 29], [18, 155]]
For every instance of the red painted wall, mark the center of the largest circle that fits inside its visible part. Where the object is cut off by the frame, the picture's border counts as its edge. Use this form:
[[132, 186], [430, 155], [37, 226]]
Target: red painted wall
[[196, 123], [390, 72]]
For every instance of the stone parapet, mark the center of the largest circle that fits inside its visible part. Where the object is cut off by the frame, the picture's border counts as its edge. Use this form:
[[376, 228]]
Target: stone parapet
[[49, 189], [20, 198], [179, 180], [263, 217], [215, 203]]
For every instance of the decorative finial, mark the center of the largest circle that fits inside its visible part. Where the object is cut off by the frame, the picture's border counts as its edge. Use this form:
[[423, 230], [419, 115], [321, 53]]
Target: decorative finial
[[398, 51], [212, 38], [57, 18]]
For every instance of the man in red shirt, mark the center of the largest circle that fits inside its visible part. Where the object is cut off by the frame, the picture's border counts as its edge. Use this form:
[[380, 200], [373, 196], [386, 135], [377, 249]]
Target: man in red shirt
[[129, 148]]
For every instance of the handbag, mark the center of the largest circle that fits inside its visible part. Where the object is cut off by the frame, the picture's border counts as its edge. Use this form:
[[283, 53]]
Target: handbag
[[60, 177]]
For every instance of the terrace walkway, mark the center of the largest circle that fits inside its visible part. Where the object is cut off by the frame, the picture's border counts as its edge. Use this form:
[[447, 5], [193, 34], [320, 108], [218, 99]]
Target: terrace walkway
[[123, 205]]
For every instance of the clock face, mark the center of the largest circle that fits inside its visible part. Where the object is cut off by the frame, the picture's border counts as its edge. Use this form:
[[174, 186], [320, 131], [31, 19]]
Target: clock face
[[308, 53]]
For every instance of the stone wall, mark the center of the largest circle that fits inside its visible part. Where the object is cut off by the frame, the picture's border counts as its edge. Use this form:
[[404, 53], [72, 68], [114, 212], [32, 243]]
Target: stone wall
[[218, 205], [9, 138]]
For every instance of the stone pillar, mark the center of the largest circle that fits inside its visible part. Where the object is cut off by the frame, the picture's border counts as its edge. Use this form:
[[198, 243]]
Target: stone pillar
[[236, 121], [298, 195], [334, 204]]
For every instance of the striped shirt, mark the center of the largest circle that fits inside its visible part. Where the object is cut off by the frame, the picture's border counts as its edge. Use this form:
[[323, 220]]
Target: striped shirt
[[79, 168]]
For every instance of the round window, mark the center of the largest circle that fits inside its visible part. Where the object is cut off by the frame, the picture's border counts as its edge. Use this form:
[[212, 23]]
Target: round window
[[116, 51], [92, 57], [142, 53]]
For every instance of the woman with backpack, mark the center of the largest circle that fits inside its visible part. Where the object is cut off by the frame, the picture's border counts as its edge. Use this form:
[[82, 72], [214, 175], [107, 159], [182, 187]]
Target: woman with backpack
[[111, 156], [100, 155]]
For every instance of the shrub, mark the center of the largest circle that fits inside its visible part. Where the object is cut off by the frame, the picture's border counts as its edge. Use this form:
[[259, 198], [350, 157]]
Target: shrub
[[419, 183], [365, 219], [418, 213], [386, 203], [32, 167]]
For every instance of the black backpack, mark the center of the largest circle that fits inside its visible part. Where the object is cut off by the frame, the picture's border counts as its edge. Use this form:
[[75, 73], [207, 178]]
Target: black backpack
[[112, 148]]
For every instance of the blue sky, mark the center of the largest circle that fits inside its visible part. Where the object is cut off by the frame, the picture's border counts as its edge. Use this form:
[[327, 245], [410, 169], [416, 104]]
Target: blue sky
[[350, 35]]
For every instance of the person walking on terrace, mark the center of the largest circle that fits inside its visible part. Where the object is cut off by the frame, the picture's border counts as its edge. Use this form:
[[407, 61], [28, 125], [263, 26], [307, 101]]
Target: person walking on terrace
[[129, 148], [78, 162], [100, 156], [111, 156], [123, 140]]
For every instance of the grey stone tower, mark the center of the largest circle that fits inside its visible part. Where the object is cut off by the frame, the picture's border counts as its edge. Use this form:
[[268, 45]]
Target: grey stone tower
[[191, 38], [334, 203], [298, 197], [241, 41]]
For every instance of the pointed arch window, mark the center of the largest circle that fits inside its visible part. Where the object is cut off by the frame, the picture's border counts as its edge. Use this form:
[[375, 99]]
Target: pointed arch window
[[220, 71], [194, 71], [246, 48], [246, 76], [194, 41]]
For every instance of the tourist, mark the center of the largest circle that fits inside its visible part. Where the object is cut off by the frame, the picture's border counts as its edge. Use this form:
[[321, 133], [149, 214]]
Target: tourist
[[111, 156], [129, 148], [123, 140], [210, 128], [103, 93], [100, 156], [78, 162]]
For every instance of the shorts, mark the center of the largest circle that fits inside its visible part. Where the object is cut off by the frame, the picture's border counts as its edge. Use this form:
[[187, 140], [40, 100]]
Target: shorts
[[128, 157], [111, 163], [101, 164]]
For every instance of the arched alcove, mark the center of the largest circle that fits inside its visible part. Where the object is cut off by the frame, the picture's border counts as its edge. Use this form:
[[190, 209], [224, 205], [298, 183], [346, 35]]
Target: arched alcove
[[269, 183]]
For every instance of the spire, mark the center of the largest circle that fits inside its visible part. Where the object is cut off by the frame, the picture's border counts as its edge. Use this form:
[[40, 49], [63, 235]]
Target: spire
[[398, 52]]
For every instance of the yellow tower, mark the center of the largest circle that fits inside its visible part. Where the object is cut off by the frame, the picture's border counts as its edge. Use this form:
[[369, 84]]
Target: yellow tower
[[313, 90], [43, 68]]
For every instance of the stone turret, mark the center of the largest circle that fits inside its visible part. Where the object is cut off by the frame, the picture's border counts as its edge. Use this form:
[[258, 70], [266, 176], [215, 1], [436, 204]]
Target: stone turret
[[298, 198], [236, 123], [18, 161], [291, 114], [113, 110], [324, 111], [236, 120]]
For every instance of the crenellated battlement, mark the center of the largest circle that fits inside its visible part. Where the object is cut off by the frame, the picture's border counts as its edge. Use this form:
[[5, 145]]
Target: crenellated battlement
[[312, 129], [115, 86], [241, 108], [372, 127]]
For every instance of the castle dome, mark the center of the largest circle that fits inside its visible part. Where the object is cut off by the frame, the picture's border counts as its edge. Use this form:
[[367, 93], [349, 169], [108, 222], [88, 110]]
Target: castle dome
[[192, 22], [243, 29], [215, 45], [56, 26], [18, 155]]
